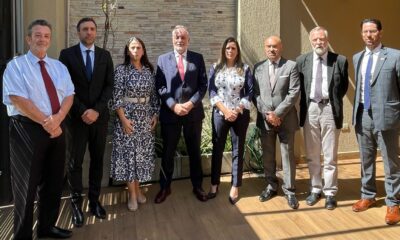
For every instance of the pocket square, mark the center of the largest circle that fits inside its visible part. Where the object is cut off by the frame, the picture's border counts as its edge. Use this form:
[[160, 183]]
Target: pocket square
[[283, 76]]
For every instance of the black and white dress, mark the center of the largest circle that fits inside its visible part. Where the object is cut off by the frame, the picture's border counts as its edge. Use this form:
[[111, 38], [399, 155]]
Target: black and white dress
[[132, 156]]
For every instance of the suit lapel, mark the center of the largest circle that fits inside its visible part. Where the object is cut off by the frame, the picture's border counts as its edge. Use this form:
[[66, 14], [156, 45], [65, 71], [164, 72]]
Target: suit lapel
[[379, 64], [330, 67], [309, 64], [79, 58]]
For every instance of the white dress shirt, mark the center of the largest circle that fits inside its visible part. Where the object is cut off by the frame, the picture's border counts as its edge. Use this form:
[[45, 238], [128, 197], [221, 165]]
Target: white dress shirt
[[325, 87], [364, 63], [184, 56], [83, 51]]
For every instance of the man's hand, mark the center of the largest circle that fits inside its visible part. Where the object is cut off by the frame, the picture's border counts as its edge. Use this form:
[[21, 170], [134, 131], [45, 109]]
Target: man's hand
[[179, 109], [56, 132], [273, 119], [90, 116], [51, 123]]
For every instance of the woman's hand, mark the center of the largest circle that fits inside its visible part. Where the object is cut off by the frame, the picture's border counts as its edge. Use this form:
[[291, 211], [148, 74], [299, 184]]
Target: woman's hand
[[154, 121], [230, 115], [127, 126]]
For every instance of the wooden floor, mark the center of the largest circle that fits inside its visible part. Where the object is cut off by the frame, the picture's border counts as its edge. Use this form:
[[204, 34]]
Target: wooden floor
[[182, 216]]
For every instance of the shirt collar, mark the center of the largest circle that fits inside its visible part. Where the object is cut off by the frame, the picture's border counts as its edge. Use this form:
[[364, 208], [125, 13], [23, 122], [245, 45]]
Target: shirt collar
[[33, 59], [324, 56], [276, 62], [84, 48], [177, 54], [375, 50]]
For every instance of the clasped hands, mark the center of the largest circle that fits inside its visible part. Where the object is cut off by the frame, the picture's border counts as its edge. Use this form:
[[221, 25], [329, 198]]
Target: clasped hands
[[272, 119], [231, 114], [52, 125], [127, 125], [182, 109]]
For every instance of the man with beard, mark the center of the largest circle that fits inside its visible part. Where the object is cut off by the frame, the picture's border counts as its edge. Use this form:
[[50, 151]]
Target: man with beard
[[92, 72], [324, 82]]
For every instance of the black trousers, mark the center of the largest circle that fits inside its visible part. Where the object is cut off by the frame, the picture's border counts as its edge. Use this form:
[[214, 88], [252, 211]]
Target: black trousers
[[36, 161], [79, 135], [238, 129], [171, 134]]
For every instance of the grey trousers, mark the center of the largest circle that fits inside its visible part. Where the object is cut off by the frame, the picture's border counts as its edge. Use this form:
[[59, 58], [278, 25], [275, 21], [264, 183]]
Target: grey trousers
[[320, 133], [388, 141]]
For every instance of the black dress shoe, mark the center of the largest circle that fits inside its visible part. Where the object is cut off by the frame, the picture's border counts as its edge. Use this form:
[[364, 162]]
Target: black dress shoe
[[330, 202], [212, 195], [200, 194], [162, 195], [313, 198], [266, 195], [54, 232], [97, 210], [77, 214], [292, 201]]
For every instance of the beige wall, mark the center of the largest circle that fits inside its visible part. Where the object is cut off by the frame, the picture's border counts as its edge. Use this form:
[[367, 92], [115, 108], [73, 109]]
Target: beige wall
[[293, 19], [54, 12]]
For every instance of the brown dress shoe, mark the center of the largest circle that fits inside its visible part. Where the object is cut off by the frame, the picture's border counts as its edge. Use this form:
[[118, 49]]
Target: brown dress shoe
[[392, 215], [162, 195], [363, 204]]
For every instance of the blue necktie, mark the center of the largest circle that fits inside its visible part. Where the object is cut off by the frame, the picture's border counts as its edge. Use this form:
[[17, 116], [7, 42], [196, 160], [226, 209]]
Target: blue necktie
[[367, 83], [88, 65]]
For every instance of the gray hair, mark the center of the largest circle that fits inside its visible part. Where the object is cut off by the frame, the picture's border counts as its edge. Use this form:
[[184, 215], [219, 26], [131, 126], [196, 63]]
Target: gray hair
[[38, 22], [318, 28], [179, 28]]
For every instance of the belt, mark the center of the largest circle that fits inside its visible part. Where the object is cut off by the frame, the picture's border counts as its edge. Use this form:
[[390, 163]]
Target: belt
[[323, 101], [141, 100], [24, 119]]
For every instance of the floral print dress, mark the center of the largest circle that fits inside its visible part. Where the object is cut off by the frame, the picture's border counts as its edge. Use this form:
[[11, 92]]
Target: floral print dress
[[132, 156]]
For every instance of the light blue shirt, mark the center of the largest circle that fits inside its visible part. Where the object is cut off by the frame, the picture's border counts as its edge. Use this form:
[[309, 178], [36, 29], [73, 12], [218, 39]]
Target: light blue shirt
[[91, 53], [23, 78]]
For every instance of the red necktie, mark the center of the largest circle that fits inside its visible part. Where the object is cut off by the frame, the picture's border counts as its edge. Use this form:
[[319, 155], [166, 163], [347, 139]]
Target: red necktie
[[181, 68], [50, 89]]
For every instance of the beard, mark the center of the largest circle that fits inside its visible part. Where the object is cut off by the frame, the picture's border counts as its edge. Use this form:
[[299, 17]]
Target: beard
[[320, 50]]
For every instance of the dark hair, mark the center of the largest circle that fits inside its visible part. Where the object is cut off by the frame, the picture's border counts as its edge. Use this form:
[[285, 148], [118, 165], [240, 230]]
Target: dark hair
[[377, 22], [85, 19], [222, 58], [144, 60], [40, 22]]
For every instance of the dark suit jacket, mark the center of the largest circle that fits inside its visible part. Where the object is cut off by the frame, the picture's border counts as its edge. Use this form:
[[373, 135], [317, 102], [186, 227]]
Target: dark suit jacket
[[173, 90], [338, 82], [385, 89], [95, 93], [280, 98]]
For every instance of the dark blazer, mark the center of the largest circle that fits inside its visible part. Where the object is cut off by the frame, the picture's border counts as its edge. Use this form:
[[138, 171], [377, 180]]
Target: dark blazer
[[95, 93], [173, 90], [338, 81], [280, 98], [385, 89]]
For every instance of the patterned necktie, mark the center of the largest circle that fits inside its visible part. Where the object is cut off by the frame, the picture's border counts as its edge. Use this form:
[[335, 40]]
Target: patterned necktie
[[318, 82], [272, 69], [88, 65], [367, 82], [181, 68], [50, 89]]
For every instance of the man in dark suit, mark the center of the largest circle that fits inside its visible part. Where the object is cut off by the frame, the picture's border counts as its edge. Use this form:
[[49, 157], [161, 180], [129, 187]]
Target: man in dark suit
[[181, 82], [324, 82], [276, 90], [376, 116], [92, 73], [38, 93]]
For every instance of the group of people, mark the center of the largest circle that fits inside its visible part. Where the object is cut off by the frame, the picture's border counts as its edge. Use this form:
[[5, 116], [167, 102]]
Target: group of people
[[59, 107]]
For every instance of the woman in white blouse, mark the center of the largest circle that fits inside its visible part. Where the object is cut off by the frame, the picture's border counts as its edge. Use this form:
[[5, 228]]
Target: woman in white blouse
[[231, 89]]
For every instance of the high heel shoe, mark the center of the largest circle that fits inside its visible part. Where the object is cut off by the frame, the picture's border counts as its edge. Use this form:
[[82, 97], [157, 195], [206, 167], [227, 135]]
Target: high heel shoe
[[233, 200], [142, 199], [212, 195], [132, 205]]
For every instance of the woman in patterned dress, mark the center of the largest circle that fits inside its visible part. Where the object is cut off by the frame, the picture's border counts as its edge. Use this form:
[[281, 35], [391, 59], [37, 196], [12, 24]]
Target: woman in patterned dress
[[136, 104], [231, 89]]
